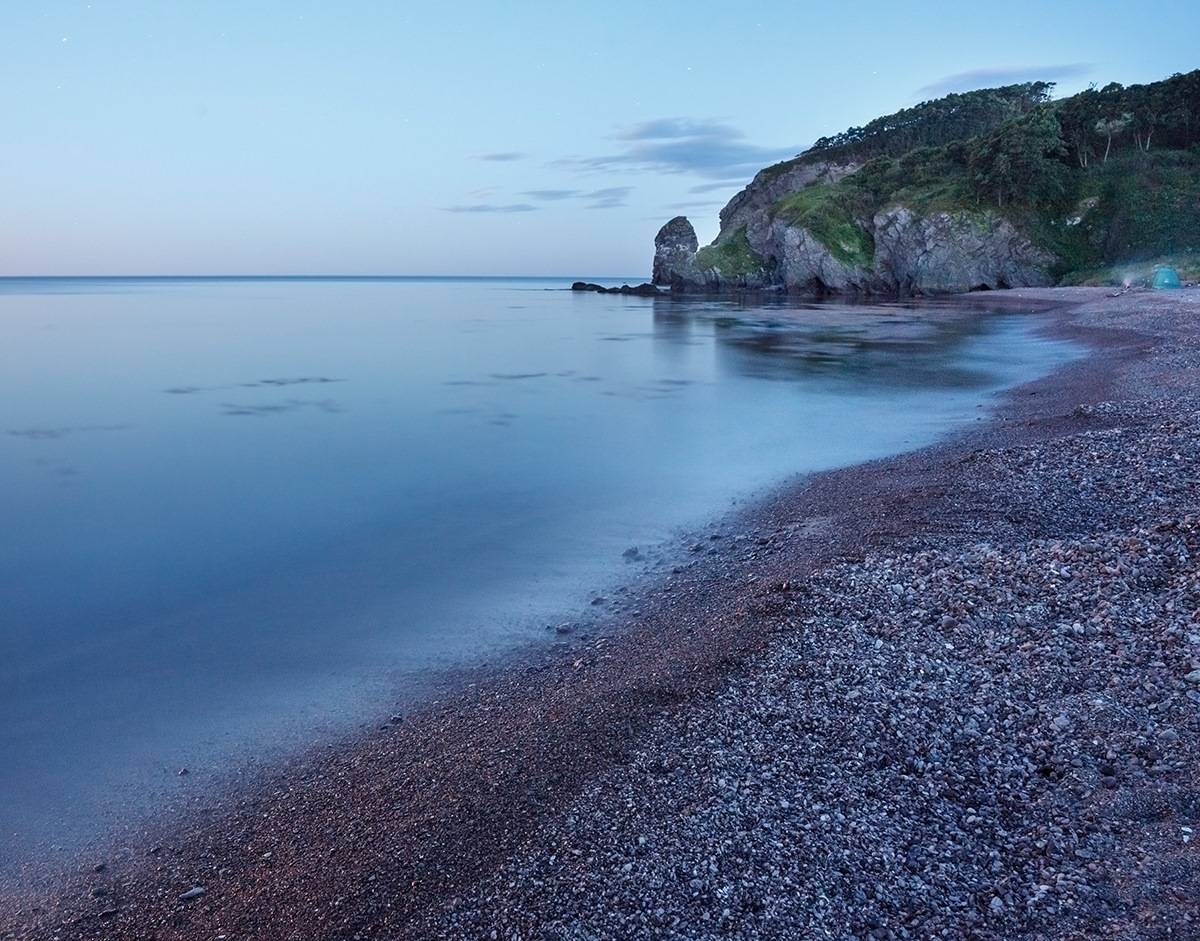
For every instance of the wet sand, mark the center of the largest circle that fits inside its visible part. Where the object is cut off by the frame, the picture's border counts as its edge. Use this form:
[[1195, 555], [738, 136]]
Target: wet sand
[[430, 824]]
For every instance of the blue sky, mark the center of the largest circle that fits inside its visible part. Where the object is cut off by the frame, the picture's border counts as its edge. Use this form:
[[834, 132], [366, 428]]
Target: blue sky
[[201, 136]]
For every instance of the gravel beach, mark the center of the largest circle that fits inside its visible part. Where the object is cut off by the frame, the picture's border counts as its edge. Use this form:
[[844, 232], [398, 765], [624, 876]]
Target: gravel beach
[[952, 694]]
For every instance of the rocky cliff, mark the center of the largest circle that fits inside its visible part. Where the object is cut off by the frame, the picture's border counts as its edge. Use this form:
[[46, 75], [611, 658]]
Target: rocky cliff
[[912, 253], [895, 251], [996, 188], [774, 183]]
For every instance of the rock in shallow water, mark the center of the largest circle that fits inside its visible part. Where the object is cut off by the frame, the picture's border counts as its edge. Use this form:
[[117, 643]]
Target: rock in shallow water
[[641, 290]]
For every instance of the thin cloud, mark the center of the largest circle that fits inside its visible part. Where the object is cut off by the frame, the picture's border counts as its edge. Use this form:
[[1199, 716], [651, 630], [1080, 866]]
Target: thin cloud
[[493, 207], [550, 195], [701, 146], [1005, 75], [613, 197], [503, 156], [674, 128]]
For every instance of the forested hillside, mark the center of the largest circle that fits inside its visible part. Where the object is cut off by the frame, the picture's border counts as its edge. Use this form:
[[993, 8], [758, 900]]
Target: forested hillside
[[1108, 177]]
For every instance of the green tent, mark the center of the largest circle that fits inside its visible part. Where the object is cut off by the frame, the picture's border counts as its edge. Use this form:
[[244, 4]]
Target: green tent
[[1165, 278]]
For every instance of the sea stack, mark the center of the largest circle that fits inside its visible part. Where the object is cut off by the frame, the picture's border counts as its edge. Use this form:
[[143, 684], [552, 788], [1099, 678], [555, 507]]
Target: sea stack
[[675, 249]]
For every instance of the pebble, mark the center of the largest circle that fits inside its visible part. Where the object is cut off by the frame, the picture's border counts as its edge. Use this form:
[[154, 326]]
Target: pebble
[[863, 777]]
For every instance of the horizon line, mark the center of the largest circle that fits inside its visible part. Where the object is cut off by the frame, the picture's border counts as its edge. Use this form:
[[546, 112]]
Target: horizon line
[[303, 277]]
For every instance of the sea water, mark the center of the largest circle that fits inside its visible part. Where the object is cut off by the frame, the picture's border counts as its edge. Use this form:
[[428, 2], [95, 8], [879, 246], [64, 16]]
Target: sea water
[[235, 513]]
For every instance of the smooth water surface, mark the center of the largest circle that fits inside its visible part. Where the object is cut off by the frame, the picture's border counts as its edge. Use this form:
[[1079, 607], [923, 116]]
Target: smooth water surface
[[237, 511]]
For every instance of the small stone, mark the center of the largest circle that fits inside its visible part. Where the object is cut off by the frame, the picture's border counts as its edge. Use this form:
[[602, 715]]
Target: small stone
[[193, 893]]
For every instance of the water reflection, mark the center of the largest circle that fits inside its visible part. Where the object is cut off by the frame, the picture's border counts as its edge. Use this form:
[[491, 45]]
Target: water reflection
[[862, 345], [314, 490]]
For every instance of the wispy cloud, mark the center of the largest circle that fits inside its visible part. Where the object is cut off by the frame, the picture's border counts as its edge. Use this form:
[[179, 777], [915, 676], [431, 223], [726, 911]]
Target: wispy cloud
[[551, 195], [675, 128], [1003, 75], [611, 197], [703, 146], [503, 156], [493, 207]]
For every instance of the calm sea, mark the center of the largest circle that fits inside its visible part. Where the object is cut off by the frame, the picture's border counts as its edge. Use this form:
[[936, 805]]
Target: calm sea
[[237, 512]]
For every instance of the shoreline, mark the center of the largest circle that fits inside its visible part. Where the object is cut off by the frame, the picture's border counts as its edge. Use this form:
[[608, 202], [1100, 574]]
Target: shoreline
[[377, 836]]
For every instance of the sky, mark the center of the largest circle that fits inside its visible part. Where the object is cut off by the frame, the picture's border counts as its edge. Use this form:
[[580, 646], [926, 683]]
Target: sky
[[490, 138]]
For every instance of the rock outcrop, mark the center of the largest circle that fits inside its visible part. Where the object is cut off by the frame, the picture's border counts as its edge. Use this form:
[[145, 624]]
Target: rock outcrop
[[948, 252], [640, 290], [754, 203], [898, 250], [803, 263], [675, 249], [912, 253]]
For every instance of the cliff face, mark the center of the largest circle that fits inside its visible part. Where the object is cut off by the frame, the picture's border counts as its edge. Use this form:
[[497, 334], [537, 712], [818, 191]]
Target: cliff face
[[954, 252], [912, 254], [771, 185], [895, 251]]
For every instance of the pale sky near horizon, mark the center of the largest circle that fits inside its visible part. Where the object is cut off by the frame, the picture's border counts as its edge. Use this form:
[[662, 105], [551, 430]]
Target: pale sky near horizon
[[477, 137]]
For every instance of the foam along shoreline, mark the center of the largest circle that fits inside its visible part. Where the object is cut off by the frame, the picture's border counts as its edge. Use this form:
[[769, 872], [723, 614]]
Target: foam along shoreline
[[872, 714]]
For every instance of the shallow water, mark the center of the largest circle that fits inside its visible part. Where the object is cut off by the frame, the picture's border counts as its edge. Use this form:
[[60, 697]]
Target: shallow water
[[237, 511]]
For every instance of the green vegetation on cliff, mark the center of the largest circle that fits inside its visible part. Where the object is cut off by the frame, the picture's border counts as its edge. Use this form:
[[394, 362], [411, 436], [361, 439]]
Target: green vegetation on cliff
[[1107, 177], [829, 212], [733, 257], [928, 124]]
